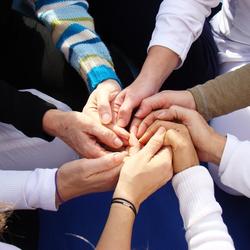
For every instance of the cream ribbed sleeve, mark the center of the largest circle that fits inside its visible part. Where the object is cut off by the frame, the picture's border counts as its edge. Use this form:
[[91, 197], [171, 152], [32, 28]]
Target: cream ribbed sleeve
[[201, 214]]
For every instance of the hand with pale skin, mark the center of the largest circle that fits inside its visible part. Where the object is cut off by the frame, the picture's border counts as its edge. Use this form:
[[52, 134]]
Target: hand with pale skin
[[162, 100], [85, 176], [81, 132], [184, 153], [144, 171], [159, 64], [208, 143], [151, 166], [100, 107]]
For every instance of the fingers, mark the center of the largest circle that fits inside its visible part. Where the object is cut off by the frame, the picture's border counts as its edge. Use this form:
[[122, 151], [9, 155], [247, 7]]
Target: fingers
[[176, 138], [104, 107], [134, 145], [147, 122], [151, 103], [154, 144], [125, 112], [106, 162], [135, 125], [121, 132], [106, 136], [184, 115], [155, 126], [87, 147]]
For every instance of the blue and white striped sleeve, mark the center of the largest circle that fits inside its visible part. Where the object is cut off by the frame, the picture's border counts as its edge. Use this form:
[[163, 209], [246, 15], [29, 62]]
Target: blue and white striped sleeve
[[73, 33]]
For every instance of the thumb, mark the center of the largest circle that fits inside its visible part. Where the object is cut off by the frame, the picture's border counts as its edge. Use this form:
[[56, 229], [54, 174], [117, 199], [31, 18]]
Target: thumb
[[106, 162], [125, 111], [154, 144], [104, 106]]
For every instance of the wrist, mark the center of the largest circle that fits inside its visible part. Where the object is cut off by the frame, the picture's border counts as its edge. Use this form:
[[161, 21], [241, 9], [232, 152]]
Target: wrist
[[190, 159], [110, 81], [217, 146], [190, 100], [159, 64], [68, 179], [122, 192], [51, 121]]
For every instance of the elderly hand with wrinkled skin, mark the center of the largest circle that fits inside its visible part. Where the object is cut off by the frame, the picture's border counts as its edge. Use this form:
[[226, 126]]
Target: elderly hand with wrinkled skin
[[83, 131], [100, 107]]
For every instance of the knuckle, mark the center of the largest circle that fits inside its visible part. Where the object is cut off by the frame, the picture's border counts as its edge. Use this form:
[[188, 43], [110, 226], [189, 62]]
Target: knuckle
[[144, 103]]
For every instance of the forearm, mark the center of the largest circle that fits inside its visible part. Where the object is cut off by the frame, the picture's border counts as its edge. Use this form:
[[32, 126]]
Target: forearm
[[224, 94], [159, 64], [199, 209], [118, 229], [73, 33], [179, 24], [28, 189]]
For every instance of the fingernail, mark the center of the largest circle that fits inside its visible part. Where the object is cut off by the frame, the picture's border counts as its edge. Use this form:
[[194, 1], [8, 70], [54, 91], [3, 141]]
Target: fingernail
[[118, 142], [105, 117]]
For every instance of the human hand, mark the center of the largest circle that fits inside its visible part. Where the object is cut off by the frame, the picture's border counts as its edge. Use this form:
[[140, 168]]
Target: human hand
[[100, 107], [102, 98], [87, 176], [184, 154], [129, 98], [80, 132], [208, 143], [145, 170], [161, 100]]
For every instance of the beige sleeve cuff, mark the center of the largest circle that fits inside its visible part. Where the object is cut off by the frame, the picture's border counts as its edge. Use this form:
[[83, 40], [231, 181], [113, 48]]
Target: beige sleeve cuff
[[224, 94]]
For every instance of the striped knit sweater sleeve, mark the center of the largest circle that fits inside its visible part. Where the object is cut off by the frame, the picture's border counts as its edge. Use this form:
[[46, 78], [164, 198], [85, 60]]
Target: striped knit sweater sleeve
[[73, 33]]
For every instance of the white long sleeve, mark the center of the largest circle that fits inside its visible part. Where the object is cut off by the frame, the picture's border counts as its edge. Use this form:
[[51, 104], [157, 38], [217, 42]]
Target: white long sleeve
[[179, 23], [234, 169], [28, 189], [205, 229], [4, 246]]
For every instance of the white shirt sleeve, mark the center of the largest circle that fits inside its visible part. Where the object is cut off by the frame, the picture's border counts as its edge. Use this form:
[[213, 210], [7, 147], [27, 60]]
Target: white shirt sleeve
[[179, 23], [201, 214], [28, 189], [234, 169], [4, 246]]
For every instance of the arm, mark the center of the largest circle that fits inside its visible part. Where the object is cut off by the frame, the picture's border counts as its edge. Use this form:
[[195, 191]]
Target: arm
[[28, 189], [73, 33], [224, 94], [199, 210], [21, 109], [178, 24], [118, 229], [234, 166], [143, 173], [37, 189], [194, 188]]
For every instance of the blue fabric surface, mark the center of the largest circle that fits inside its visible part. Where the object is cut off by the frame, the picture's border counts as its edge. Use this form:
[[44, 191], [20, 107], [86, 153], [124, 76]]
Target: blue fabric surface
[[158, 225]]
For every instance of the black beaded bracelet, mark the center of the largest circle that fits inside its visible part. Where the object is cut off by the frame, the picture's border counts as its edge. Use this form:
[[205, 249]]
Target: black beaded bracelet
[[125, 203]]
